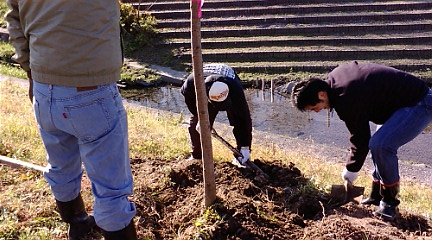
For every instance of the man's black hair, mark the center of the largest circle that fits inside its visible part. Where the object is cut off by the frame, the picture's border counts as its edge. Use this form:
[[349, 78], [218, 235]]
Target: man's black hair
[[305, 93]]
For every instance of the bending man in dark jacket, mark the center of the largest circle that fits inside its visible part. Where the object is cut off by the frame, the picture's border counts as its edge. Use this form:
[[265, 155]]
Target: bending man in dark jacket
[[225, 92], [383, 95]]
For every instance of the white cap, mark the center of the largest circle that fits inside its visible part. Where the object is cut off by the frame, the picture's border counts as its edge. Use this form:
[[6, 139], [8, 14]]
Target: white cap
[[218, 92]]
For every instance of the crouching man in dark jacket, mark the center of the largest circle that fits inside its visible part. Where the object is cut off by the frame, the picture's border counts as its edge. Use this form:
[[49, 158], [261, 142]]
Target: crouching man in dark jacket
[[367, 92], [225, 93]]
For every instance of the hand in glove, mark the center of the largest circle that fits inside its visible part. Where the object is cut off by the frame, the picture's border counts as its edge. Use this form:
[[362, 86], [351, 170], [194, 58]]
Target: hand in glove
[[198, 128], [246, 155], [349, 176]]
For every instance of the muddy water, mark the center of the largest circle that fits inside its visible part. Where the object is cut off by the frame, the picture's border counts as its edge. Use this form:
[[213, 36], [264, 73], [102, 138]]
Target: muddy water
[[273, 115]]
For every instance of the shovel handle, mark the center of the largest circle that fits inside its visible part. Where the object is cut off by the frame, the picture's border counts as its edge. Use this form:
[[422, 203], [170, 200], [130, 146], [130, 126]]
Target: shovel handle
[[237, 154], [257, 169], [348, 185], [20, 164]]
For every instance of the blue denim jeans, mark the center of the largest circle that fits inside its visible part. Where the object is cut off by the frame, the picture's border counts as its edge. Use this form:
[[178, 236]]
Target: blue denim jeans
[[90, 128], [403, 126]]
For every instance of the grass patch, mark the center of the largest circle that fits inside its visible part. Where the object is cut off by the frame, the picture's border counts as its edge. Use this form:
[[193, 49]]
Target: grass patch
[[6, 52], [7, 66], [163, 55], [19, 135], [3, 10], [283, 77], [131, 76], [12, 70]]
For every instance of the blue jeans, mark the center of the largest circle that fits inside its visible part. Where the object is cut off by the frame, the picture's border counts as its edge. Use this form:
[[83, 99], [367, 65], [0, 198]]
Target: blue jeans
[[90, 128], [403, 126]]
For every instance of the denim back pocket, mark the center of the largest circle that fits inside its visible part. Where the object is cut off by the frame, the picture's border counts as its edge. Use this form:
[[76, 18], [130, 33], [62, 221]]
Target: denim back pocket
[[118, 100], [89, 120], [42, 112]]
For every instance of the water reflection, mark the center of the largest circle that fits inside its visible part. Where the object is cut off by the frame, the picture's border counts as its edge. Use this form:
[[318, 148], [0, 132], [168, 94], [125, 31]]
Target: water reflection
[[276, 117], [274, 114], [164, 98], [269, 112]]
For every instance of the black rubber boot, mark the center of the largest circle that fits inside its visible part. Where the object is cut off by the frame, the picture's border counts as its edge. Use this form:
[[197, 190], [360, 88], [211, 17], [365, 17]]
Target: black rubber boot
[[375, 196], [127, 233], [74, 213], [387, 209]]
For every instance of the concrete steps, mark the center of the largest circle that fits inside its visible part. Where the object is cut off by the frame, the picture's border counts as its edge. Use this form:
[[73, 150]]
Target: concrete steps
[[214, 43], [223, 11], [305, 30], [412, 65], [276, 36], [268, 20]]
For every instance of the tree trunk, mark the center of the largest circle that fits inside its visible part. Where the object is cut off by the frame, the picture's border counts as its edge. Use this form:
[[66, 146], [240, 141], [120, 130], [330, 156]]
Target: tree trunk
[[202, 105]]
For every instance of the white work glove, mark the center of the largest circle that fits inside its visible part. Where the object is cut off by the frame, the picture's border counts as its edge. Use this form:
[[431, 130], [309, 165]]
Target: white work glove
[[349, 176], [198, 128], [246, 155]]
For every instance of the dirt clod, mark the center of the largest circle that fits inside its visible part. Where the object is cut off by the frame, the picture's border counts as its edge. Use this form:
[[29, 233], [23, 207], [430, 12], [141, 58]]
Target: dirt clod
[[169, 196]]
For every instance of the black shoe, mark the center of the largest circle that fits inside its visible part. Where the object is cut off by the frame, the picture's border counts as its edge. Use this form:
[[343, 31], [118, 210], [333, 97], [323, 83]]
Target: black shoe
[[371, 201], [127, 233], [81, 228], [374, 197], [74, 213], [387, 208], [386, 211]]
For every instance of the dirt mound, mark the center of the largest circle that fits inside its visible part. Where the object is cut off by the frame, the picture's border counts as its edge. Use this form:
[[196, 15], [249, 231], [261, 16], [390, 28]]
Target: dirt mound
[[169, 198]]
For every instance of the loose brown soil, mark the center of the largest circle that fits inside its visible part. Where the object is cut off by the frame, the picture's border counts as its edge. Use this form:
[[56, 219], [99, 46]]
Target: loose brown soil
[[169, 196]]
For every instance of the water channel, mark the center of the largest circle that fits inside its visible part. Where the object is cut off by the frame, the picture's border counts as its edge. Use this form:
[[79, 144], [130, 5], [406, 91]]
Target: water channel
[[273, 115]]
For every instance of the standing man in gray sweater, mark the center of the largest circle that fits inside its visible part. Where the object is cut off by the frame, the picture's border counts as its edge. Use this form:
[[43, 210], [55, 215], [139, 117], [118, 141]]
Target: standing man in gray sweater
[[72, 53]]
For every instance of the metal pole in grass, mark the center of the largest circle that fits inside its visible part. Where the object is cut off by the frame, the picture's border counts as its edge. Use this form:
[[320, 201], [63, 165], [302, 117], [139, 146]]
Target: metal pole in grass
[[202, 104]]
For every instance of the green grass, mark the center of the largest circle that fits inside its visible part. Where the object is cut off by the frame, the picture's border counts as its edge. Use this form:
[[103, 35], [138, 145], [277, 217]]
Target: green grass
[[7, 67], [13, 71], [3, 9], [6, 51], [130, 75]]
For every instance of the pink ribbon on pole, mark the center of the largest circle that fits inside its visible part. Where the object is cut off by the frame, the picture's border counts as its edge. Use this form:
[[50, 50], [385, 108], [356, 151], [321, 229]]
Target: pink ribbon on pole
[[200, 3]]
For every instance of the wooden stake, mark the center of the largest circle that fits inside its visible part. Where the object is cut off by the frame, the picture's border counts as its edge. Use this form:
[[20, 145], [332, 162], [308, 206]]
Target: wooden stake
[[202, 105], [272, 91]]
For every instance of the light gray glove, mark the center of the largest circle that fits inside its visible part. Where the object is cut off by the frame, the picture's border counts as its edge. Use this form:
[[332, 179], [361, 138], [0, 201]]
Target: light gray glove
[[246, 155], [349, 176], [198, 128]]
